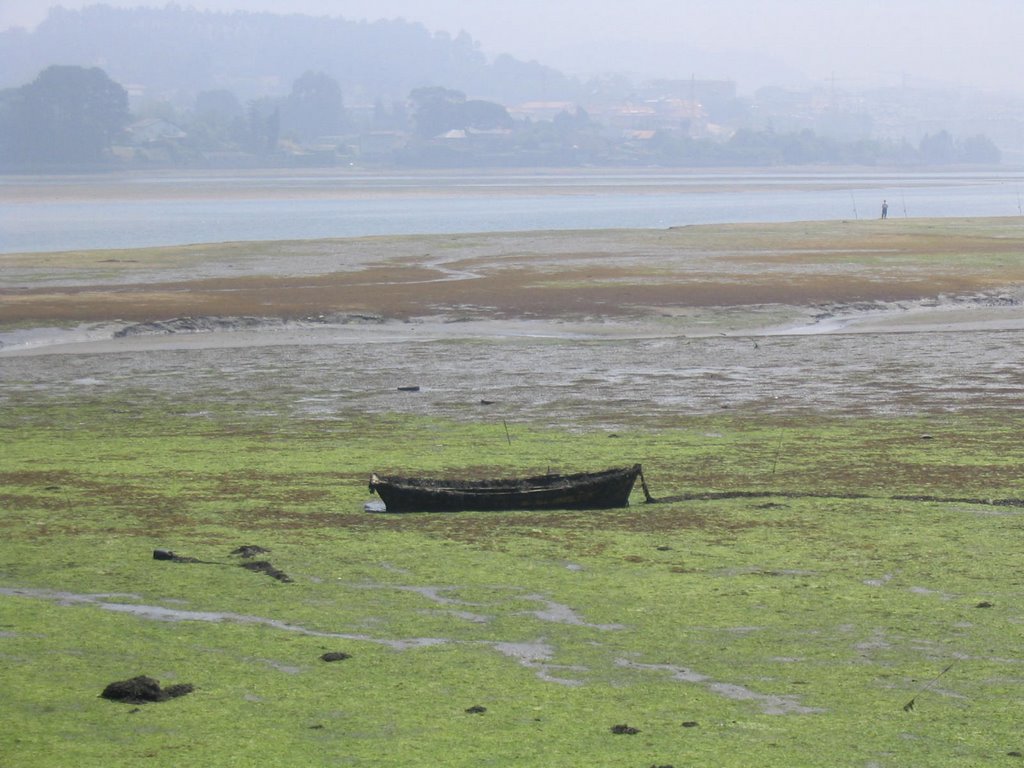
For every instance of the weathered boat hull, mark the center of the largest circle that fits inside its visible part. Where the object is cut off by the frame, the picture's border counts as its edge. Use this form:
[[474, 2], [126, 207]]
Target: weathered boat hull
[[586, 490]]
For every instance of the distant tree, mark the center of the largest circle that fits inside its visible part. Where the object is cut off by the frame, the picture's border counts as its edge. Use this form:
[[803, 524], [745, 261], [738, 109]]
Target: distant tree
[[980, 149], [747, 147], [511, 81], [394, 118], [67, 116], [264, 126], [314, 108], [679, 149], [218, 107], [218, 121], [10, 108], [438, 110], [938, 148], [577, 120], [155, 108], [797, 148], [485, 115]]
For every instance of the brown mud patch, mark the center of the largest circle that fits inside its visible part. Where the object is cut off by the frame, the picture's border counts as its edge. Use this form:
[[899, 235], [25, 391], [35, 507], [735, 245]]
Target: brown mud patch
[[568, 275]]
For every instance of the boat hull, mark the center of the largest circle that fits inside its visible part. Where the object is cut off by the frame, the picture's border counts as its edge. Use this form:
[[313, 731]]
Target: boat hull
[[589, 490]]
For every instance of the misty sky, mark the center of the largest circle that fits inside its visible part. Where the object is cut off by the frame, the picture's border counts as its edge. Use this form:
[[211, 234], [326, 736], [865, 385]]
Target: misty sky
[[850, 43]]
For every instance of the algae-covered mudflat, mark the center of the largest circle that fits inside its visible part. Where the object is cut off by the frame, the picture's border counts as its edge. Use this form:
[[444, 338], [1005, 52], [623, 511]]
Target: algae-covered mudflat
[[831, 575]]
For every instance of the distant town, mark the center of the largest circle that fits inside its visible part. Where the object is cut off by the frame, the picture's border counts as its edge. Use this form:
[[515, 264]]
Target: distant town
[[394, 95]]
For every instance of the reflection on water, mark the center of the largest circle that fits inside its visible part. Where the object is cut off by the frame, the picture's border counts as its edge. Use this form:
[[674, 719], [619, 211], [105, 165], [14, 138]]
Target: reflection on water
[[68, 213]]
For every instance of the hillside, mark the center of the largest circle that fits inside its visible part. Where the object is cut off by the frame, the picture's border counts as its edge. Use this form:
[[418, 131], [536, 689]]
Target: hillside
[[181, 51]]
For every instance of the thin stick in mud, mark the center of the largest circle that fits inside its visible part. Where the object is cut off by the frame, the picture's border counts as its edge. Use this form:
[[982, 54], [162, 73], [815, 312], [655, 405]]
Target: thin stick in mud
[[910, 704]]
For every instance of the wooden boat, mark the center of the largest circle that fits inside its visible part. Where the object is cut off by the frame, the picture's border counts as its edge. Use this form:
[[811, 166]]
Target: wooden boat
[[586, 490]]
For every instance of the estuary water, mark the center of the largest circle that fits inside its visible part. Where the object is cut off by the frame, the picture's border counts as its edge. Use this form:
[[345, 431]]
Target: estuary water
[[59, 213]]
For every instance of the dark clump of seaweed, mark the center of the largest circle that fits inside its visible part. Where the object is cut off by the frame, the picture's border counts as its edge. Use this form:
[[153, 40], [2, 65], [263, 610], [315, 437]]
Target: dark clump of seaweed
[[622, 728], [335, 656], [143, 690]]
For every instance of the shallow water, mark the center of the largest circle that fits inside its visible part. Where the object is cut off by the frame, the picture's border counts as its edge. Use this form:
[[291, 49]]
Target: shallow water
[[40, 214]]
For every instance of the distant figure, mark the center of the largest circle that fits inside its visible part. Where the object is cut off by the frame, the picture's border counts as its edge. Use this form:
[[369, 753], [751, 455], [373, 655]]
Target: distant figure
[[885, 210]]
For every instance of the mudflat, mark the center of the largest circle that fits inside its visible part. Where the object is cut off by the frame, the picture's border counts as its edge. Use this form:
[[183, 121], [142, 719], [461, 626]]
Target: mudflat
[[828, 414], [764, 273], [850, 318]]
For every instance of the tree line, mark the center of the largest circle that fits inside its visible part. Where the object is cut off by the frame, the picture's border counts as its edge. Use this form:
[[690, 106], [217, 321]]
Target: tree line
[[72, 117]]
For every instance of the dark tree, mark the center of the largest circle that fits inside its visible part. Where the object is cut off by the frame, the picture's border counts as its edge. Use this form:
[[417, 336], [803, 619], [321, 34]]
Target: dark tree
[[938, 148], [218, 107], [264, 126], [67, 116], [314, 108], [438, 110], [219, 121], [980, 149], [395, 118], [485, 115]]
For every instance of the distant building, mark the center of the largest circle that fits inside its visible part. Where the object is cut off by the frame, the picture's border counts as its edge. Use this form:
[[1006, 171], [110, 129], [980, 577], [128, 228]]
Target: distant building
[[707, 91], [542, 110]]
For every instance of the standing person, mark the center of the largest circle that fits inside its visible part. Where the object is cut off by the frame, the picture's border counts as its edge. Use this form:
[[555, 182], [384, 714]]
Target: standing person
[[885, 210]]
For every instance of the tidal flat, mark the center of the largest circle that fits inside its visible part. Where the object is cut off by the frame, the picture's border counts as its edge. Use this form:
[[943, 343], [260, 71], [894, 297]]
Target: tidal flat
[[830, 575]]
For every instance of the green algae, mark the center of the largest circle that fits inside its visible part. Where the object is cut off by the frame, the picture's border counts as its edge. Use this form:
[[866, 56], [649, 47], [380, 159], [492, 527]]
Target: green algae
[[808, 580]]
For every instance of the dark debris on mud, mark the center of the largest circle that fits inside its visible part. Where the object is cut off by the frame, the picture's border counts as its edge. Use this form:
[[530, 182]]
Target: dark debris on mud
[[335, 656], [143, 690], [247, 551], [166, 554]]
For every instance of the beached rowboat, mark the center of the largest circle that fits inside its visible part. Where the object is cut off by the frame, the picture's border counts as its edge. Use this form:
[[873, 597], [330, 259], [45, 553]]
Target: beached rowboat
[[586, 490]]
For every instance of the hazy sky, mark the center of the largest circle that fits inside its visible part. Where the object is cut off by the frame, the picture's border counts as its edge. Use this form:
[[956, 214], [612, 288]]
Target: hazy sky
[[850, 43]]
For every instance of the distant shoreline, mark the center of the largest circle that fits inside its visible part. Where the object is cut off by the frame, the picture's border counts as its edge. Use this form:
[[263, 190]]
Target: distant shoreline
[[342, 183]]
